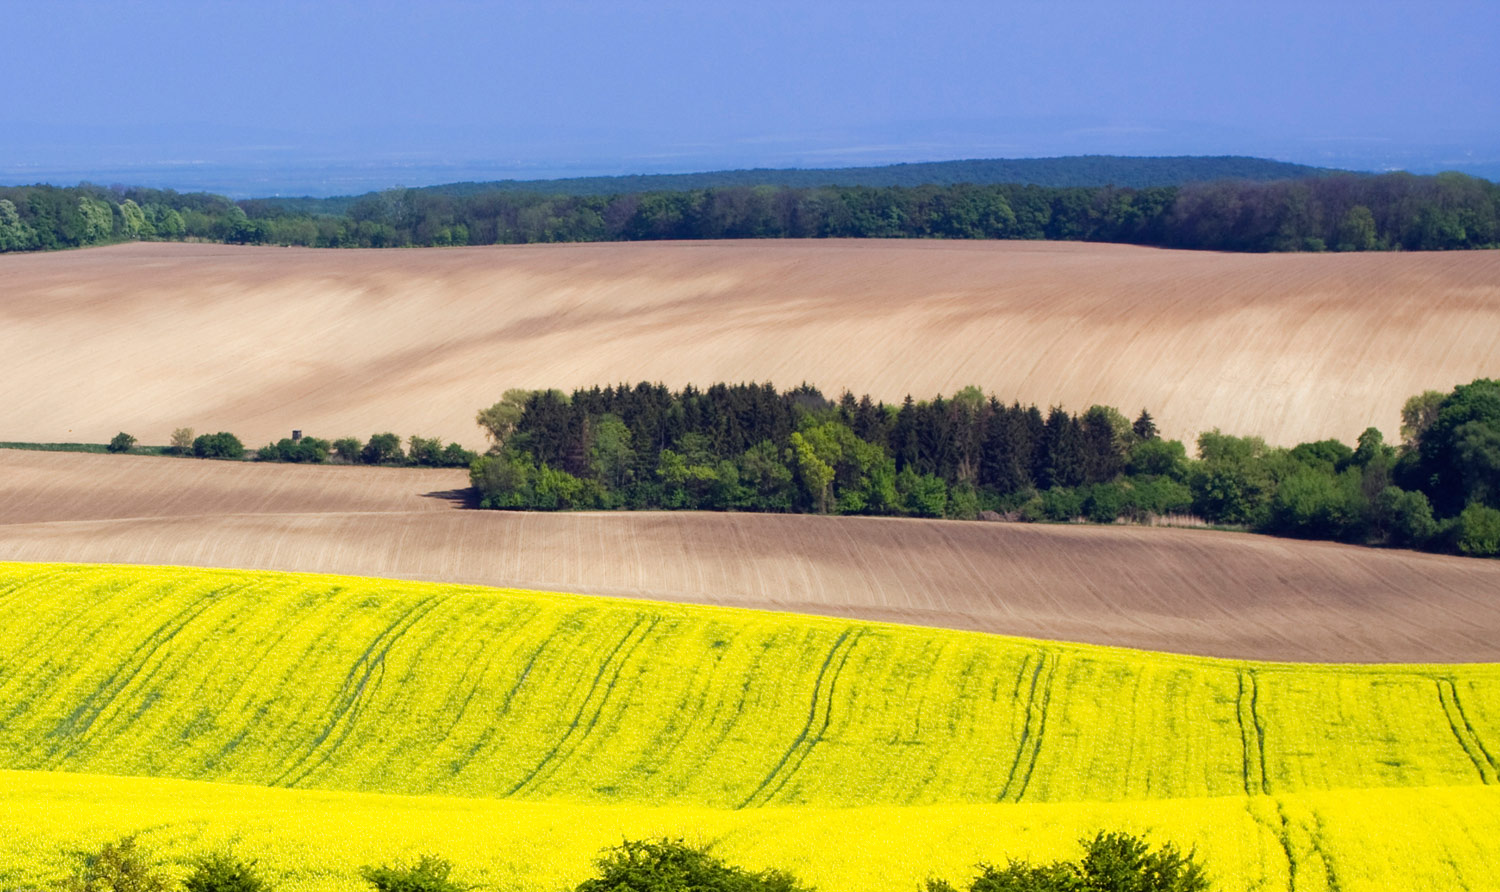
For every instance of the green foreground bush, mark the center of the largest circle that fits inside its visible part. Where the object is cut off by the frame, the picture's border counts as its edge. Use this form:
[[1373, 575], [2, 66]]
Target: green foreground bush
[[1111, 862]]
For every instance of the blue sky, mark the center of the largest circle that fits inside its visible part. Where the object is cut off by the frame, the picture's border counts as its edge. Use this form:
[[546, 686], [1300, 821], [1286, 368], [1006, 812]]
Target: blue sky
[[407, 92]]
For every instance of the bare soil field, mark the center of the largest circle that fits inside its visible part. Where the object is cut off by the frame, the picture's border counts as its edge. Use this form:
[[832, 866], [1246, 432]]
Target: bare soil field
[[1187, 591], [149, 337]]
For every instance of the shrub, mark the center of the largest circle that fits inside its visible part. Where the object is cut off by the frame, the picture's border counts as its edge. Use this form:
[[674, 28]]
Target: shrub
[[122, 442], [383, 449], [308, 450], [1405, 517], [219, 445], [667, 864], [222, 872], [1105, 503], [1478, 531], [1111, 862], [182, 441], [432, 454], [429, 874], [1061, 504], [1158, 458], [346, 449], [117, 867], [1157, 496], [1312, 504]]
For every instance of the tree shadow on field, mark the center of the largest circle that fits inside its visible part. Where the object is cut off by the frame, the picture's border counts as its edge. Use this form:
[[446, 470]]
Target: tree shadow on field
[[467, 497]]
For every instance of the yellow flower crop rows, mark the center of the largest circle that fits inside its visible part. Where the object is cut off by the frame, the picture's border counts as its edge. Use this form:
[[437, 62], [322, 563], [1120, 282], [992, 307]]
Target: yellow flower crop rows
[[597, 717], [316, 841]]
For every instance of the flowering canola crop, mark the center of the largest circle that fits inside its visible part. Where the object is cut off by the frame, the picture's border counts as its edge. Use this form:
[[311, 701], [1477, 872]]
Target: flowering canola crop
[[570, 702]]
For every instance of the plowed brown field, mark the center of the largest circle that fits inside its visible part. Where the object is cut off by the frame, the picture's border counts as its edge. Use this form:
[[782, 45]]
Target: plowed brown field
[[150, 337], [1188, 591]]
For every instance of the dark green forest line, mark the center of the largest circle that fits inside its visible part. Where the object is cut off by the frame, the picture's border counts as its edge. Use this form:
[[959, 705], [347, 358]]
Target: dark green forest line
[[751, 447], [1345, 212], [1073, 170]]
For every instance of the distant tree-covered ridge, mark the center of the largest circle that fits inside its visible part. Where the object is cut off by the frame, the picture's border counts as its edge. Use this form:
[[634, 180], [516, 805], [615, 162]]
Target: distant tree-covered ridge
[[1344, 212], [1070, 171], [752, 447]]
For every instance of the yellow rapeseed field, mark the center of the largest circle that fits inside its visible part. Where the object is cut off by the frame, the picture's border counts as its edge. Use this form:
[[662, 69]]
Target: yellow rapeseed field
[[861, 755], [1388, 840]]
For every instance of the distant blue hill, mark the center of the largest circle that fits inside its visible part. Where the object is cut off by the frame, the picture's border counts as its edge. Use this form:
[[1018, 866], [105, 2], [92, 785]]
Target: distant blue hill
[[1077, 170]]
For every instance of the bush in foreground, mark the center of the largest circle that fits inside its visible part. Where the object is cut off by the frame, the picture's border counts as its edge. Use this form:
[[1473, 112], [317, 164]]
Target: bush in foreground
[[429, 874], [666, 864], [1111, 862], [120, 866], [222, 872]]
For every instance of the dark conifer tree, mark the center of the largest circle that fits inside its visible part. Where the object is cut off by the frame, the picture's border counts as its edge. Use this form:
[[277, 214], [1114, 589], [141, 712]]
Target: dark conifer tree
[[1144, 427]]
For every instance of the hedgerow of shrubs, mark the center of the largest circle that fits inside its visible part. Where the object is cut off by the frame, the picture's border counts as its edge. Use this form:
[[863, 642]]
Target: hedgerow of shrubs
[[1111, 862], [381, 449]]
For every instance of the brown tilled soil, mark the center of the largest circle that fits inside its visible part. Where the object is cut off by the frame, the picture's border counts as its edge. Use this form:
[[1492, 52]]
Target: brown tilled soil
[[150, 337], [1190, 591]]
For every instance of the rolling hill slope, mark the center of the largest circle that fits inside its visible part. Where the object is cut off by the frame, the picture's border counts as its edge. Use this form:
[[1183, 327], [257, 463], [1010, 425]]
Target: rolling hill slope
[[259, 341], [1194, 591], [374, 685]]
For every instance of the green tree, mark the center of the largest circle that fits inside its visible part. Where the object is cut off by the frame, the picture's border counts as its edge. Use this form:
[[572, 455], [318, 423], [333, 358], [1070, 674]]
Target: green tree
[[1357, 230], [1478, 531], [1404, 518], [1144, 427], [1156, 457], [767, 482], [15, 233], [121, 442], [347, 450], [1459, 452], [133, 223], [1232, 483], [499, 421], [1417, 415], [97, 220], [814, 472], [383, 449], [220, 445], [611, 457]]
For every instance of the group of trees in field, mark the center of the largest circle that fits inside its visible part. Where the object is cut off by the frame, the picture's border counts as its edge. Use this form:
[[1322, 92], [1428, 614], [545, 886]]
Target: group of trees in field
[[380, 449], [1111, 862], [1345, 212], [751, 447]]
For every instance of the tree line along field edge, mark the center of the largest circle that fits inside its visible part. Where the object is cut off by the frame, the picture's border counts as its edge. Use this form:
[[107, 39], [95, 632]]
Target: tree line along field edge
[[295, 680], [1394, 211], [752, 447]]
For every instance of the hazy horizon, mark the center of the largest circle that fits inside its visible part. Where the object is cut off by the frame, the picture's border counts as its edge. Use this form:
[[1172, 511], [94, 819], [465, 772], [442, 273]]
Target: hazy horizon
[[286, 98]]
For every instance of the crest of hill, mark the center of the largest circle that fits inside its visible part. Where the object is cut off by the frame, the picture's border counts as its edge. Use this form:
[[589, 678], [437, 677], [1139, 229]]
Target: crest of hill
[[1068, 171]]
